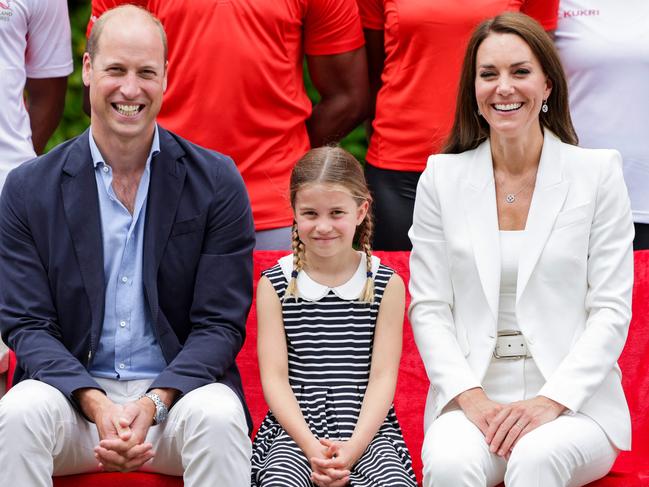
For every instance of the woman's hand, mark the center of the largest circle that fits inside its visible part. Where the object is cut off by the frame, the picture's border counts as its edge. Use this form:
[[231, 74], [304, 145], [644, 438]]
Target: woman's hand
[[519, 418], [328, 460], [480, 410]]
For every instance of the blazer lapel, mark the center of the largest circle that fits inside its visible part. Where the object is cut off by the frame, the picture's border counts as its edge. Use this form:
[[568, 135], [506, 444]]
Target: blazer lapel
[[165, 189], [479, 199], [549, 195], [81, 207]]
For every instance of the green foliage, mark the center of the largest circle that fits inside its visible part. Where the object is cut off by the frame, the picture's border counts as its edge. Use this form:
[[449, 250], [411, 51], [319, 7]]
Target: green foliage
[[75, 121]]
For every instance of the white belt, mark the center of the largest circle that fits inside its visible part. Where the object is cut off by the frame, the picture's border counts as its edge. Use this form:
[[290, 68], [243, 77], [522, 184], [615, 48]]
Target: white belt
[[511, 345]]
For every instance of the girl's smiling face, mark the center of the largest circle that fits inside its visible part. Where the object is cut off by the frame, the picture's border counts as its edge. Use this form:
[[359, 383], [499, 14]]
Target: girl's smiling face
[[327, 216]]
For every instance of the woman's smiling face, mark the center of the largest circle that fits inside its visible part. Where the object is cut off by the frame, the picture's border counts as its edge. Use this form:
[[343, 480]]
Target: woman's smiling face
[[510, 86]]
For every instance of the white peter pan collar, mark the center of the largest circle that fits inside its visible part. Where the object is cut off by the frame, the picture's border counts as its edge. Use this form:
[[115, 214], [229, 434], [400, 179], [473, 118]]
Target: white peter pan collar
[[311, 290]]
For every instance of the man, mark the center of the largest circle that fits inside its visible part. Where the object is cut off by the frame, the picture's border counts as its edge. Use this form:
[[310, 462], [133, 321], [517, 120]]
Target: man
[[237, 86], [126, 259], [35, 57]]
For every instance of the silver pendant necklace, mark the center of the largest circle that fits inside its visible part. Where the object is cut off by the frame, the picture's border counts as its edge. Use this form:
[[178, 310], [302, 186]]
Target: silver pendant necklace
[[510, 198]]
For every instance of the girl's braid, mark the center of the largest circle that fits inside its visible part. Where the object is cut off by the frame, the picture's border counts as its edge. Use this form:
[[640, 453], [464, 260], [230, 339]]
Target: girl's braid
[[298, 263], [365, 239]]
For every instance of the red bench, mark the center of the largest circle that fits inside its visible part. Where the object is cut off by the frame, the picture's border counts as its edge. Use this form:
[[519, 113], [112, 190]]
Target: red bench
[[630, 470]]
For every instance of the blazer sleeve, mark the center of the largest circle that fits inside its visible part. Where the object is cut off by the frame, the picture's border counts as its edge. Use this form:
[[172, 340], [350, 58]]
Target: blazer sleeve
[[28, 317], [222, 288], [431, 290], [608, 299]]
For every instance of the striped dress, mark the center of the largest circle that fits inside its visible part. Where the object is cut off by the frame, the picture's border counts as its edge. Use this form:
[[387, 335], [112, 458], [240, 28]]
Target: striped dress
[[329, 339]]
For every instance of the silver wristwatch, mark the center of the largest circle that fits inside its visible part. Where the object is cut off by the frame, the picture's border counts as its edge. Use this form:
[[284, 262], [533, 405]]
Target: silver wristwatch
[[161, 410]]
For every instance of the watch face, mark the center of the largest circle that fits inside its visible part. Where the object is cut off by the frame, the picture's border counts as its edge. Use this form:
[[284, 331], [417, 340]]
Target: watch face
[[160, 413], [160, 408]]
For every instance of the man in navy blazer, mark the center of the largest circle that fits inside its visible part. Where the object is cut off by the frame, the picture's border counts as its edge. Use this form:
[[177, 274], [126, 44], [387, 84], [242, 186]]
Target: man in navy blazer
[[126, 271]]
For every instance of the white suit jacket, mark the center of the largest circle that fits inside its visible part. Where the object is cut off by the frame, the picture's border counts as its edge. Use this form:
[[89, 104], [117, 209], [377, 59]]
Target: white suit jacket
[[575, 278]]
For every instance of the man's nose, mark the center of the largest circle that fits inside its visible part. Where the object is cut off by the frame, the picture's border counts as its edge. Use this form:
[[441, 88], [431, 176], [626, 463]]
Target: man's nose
[[130, 85]]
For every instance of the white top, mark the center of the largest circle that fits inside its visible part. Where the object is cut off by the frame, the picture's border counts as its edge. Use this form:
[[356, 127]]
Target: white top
[[311, 290], [510, 250], [34, 43], [604, 46]]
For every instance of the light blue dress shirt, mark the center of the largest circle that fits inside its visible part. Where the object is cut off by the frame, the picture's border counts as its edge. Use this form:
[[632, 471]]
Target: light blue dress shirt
[[128, 348]]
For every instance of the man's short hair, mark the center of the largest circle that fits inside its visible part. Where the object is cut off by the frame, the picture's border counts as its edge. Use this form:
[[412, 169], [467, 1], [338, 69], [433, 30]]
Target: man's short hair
[[92, 46]]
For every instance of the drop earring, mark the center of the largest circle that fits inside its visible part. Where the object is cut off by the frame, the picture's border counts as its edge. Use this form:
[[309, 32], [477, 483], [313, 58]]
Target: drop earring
[[544, 107]]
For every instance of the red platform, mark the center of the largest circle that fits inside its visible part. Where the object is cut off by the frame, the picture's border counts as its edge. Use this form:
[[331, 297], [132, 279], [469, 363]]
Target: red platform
[[630, 470]]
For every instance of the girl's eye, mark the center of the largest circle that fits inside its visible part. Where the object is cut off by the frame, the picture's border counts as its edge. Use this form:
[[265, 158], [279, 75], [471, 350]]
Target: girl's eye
[[487, 74], [522, 71]]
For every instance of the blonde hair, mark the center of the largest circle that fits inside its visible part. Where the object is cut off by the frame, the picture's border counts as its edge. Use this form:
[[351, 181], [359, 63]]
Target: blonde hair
[[335, 166]]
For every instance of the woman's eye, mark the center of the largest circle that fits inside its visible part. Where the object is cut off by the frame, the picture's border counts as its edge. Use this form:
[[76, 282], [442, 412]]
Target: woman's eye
[[487, 74]]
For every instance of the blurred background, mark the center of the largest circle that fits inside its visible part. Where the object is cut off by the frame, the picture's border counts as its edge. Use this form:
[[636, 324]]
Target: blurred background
[[75, 121]]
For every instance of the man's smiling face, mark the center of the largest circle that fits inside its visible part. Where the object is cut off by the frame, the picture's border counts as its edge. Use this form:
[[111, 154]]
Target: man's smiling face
[[126, 77]]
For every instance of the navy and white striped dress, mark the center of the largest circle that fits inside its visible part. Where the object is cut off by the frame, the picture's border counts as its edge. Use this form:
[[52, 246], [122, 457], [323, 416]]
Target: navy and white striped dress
[[329, 336]]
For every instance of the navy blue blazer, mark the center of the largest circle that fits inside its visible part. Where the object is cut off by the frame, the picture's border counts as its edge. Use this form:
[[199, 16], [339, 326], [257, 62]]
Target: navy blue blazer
[[197, 269]]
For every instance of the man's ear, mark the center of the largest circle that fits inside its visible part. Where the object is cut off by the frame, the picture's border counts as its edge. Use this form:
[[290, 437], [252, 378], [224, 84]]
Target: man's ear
[[164, 80], [86, 69]]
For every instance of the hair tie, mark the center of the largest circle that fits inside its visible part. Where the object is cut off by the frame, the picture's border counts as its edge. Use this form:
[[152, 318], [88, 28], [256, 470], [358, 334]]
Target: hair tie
[[294, 274], [369, 274]]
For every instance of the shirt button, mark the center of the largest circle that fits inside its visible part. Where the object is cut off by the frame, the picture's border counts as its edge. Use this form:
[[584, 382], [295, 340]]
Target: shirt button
[[124, 279], [122, 324], [105, 169], [122, 366]]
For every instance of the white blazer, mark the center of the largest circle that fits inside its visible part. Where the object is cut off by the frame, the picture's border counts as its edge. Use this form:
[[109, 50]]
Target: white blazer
[[575, 278]]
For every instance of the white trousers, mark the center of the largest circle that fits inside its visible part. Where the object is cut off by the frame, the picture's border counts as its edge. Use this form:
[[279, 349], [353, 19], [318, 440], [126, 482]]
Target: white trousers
[[204, 439], [570, 451]]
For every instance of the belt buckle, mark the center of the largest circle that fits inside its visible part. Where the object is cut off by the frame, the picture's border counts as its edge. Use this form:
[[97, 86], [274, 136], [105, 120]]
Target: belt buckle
[[512, 342]]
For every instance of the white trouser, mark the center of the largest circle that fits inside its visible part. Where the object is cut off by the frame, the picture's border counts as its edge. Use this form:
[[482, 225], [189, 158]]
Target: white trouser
[[570, 451], [204, 439]]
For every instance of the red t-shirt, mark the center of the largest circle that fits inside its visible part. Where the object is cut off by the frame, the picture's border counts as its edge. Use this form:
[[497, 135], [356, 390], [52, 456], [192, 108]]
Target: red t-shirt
[[236, 86], [425, 42]]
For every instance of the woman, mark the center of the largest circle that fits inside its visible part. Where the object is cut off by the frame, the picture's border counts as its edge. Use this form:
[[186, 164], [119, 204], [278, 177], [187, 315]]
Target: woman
[[415, 50], [603, 46], [521, 278]]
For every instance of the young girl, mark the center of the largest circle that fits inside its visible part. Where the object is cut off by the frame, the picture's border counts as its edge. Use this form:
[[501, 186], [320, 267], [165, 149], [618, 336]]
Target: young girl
[[329, 341]]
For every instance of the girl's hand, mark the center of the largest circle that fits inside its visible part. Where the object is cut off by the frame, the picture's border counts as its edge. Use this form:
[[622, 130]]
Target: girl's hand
[[517, 419], [480, 410], [322, 475], [333, 470]]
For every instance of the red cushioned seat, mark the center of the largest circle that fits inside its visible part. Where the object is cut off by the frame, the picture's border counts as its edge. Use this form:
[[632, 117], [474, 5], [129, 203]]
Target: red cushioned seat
[[630, 470]]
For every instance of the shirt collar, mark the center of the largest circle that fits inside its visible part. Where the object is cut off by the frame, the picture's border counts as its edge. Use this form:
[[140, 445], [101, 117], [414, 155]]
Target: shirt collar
[[311, 290], [98, 159]]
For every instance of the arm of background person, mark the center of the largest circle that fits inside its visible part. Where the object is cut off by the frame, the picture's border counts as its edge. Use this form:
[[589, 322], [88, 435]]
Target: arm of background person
[[48, 62], [45, 104], [375, 49], [341, 80]]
